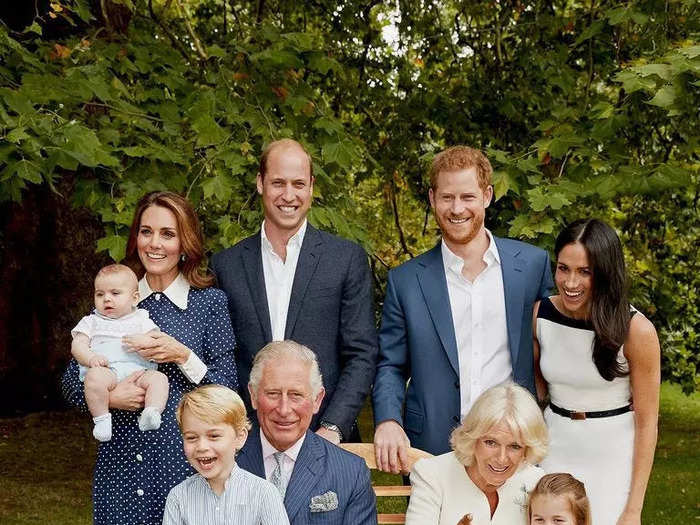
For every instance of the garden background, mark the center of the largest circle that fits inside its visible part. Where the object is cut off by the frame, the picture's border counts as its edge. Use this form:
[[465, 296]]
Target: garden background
[[585, 108]]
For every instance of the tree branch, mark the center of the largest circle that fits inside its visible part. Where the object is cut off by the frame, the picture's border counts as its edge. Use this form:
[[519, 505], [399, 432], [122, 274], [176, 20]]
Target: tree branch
[[184, 13], [397, 221], [173, 40]]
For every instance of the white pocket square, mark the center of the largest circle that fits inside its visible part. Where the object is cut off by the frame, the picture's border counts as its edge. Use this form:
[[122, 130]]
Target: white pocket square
[[324, 502]]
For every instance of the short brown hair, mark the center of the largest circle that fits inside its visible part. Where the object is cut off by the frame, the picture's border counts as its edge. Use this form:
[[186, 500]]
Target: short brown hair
[[189, 231], [461, 158], [283, 144], [214, 404], [564, 484]]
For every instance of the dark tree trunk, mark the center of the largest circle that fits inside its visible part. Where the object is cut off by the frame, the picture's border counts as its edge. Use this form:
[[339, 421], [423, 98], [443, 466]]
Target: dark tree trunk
[[47, 266]]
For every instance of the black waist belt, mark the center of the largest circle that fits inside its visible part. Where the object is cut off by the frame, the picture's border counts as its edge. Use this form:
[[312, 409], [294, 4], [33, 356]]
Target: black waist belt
[[585, 415]]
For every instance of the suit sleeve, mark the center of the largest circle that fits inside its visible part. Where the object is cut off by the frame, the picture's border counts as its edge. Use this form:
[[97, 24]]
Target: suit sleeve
[[358, 344], [362, 505], [546, 282], [426, 498], [393, 366]]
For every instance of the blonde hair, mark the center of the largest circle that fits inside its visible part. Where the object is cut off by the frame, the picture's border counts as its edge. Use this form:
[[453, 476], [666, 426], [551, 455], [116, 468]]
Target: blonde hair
[[285, 350], [564, 484], [119, 269], [512, 405], [459, 158], [214, 404]]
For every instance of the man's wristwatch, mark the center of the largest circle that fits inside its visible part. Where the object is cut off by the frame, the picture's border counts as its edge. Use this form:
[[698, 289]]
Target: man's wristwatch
[[334, 428]]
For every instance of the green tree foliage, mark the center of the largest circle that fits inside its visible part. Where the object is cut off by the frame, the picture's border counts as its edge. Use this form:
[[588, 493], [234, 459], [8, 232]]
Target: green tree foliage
[[585, 108]]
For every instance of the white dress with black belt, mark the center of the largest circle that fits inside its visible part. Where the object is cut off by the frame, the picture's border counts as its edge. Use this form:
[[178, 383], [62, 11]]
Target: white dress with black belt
[[597, 451]]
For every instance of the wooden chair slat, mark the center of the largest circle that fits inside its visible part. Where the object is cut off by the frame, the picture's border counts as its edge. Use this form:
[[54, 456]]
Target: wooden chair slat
[[366, 452]]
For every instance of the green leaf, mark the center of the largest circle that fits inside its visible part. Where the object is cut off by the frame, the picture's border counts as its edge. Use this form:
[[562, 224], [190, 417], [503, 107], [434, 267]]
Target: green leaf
[[28, 171], [664, 98], [591, 31], [82, 144], [341, 153], [602, 110], [662, 70], [216, 51], [34, 28], [208, 131], [220, 186], [115, 245], [17, 135]]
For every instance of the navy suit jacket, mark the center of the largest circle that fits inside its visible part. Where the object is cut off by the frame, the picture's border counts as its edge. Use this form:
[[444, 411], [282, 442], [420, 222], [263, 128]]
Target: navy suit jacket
[[417, 340], [330, 311], [320, 467]]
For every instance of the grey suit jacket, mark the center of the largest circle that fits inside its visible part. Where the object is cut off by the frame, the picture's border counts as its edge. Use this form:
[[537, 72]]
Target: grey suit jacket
[[321, 468], [330, 311]]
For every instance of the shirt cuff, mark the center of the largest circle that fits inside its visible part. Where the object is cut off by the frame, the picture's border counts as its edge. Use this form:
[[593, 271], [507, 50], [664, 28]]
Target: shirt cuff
[[194, 369]]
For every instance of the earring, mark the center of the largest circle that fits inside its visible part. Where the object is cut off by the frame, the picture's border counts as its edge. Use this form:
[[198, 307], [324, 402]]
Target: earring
[[183, 257]]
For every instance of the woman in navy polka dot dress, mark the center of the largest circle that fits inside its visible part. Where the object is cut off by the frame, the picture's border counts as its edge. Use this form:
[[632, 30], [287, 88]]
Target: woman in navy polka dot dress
[[136, 470]]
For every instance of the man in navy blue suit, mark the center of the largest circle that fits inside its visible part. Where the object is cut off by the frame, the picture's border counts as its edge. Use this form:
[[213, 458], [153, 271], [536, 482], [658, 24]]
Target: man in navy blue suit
[[457, 319], [293, 281], [318, 481]]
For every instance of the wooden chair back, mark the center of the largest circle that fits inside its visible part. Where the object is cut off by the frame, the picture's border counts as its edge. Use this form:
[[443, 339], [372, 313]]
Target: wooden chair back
[[366, 452]]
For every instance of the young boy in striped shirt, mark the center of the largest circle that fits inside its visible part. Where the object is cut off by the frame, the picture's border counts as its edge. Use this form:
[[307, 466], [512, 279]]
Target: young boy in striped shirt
[[214, 427]]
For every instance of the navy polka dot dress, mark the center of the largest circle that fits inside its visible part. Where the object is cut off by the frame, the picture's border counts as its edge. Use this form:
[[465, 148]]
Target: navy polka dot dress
[[136, 470]]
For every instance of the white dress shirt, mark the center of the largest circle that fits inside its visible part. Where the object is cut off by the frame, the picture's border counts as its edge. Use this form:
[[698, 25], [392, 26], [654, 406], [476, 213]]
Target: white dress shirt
[[178, 291], [289, 458], [279, 277], [479, 318]]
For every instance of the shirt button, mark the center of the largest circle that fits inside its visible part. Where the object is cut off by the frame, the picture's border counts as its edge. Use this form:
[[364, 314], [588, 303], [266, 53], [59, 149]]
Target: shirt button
[[139, 457], [139, 492], [157, 297]]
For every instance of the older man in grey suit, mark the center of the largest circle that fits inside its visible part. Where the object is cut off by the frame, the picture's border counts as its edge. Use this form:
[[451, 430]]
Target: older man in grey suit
[[292, 281], [319, 482]]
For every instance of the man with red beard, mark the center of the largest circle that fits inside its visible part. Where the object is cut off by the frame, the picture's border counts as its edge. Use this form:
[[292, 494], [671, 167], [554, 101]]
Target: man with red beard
[[457, 319]]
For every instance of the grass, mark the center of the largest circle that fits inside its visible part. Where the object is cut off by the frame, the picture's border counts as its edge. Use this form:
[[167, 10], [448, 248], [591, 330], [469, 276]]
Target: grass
[[46, 462]]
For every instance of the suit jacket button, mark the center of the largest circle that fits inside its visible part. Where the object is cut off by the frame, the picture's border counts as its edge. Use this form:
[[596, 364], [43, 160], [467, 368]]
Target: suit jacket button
[[457, 385], [455, 419]]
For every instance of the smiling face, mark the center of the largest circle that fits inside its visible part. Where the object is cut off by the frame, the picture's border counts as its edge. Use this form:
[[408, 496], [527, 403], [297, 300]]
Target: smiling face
[[286, 188], [497, 456], [158, 245], [285, 402], [211, 448], [574, 280], [460, 206], [116, 294], [548, 509]]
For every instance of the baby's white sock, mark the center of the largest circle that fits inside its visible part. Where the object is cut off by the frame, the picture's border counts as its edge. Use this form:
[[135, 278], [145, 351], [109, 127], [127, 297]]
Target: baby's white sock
[[103, 427], [149, 419]]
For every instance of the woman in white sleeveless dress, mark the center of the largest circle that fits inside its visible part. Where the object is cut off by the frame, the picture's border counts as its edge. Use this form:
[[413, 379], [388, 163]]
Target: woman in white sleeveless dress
[[599, 360]]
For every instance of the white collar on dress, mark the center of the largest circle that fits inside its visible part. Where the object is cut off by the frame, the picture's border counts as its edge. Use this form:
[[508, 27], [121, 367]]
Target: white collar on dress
[[177, 291]]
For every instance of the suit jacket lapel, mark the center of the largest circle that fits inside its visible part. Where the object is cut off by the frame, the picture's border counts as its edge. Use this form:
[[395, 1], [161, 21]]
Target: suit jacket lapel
[[309, 256], [252, 262], [433, 285], [514, 291], [250, 457], [307, 468]]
